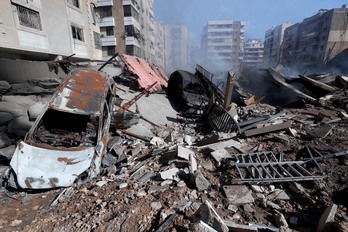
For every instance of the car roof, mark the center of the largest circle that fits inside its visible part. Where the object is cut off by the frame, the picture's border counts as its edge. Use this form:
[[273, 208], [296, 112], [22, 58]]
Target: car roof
[[81, 92]]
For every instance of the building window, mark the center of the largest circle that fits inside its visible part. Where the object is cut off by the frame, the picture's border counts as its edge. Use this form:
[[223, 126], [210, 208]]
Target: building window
[[28, 17], [94, 16], [74, 3], [109, 50], [104, 11], [77, 33], [97, 42]]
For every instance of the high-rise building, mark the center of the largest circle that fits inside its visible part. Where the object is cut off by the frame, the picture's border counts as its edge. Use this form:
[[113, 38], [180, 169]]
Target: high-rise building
[[132, 22], [176, 47], [272, 45], [222, 44], [159, 44], [41, 30], [253, 53], [316, 40], [111, 21]]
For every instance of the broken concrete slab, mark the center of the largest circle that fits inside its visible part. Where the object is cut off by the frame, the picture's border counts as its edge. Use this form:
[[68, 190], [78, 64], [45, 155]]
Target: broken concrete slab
[[267, 129], [155, 188], [327, 216], [193, 163], [4, 86], [5, 117], [278, 194], [201, 227], [238, 194], [141, 130], [220, 154], [8, 151], [207, 214], [19, 126], [280, 219], [184, 152], [201, 182], [222, 144], [320, 132], [239, 227], [5, 141], [26, 88], [35, 110], [169, 174], [15, 109], [157, 141]]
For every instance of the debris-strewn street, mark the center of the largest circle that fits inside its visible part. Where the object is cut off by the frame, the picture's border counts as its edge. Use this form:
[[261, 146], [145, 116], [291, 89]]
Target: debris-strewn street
[[275, 159]]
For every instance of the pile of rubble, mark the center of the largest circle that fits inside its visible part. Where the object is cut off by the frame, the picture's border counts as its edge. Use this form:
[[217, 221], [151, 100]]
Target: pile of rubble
[[278, 170]]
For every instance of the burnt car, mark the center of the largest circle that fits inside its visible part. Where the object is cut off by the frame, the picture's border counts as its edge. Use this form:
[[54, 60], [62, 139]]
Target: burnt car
[[68, 140]]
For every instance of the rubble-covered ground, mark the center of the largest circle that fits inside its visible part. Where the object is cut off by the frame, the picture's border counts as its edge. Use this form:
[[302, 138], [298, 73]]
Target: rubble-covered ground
[[175, 178]]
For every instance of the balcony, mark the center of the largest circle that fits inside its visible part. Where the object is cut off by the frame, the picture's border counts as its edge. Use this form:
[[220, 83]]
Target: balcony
[[107, 22], [104, 3], [108, 41]]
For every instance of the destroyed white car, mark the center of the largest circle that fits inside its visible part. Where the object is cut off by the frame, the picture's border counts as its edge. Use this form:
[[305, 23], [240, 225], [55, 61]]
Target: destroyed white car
[[68, 140]]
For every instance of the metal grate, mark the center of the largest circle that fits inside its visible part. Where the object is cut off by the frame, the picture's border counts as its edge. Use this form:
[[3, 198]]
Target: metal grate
[[265, 167], [219, 119], [28, 17]]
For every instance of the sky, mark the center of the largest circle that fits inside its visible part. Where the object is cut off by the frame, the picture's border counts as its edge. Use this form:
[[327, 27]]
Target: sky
[[259, 15]]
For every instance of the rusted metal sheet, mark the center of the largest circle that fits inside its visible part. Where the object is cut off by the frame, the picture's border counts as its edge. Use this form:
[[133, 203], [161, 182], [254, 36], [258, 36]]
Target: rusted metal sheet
[[146, 74], [82, 92], [38, 168]]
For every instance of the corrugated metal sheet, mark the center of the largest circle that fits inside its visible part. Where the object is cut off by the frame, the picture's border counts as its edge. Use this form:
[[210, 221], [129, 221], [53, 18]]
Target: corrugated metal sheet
[[146, 73], [81, 92]]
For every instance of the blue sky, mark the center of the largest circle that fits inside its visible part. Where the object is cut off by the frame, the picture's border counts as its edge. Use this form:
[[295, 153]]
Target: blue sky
[[259, 15]]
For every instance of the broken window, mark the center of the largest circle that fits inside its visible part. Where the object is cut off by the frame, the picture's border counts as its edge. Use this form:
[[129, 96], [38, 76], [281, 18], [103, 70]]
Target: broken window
[[77, 33], [28, 18], [74, 3], [72, 130], [97, 42]]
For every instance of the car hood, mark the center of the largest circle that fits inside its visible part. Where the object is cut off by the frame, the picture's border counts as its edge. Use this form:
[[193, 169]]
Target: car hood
[[40, 168]]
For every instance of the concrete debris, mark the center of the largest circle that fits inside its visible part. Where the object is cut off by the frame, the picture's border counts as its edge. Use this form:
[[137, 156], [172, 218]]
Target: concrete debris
[[173, 173], [4, 86], [184, 153], [238, 194], [320, 132], [35, 110], [278, 194], [169, 174], [326, 217], [208, 214], [200, 181], [280, 219], [5, 117]]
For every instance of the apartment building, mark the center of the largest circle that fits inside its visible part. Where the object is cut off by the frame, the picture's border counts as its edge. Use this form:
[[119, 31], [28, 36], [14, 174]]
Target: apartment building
[[316, 40], [176, 47], [222, 44], [112, 30], [253, 53], [41, 30], [127, 26], [272, 45], [159, 44]]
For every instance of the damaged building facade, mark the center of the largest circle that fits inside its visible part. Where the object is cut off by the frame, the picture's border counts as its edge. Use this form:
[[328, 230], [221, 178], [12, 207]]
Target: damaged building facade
[[316, 40], [222, 44], [41, 30], [38, 30], [309, 44]]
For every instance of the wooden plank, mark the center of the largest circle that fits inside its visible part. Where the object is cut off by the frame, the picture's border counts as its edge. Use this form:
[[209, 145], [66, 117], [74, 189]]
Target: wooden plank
[[267, 129]]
